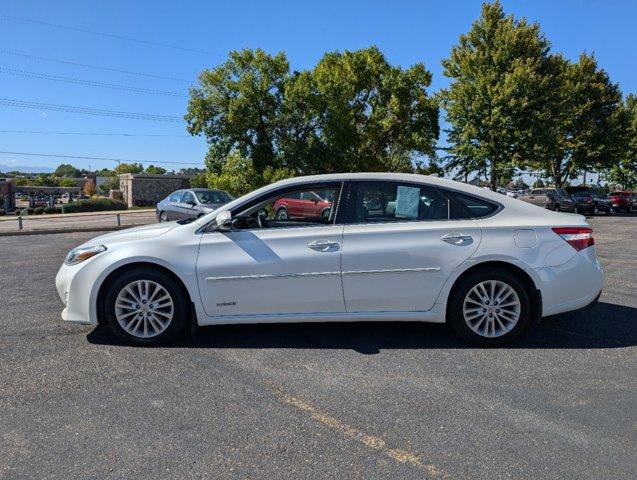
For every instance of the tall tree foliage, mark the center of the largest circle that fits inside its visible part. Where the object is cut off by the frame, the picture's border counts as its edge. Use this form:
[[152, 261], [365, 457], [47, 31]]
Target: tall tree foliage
[[353, 111], [623, 173], [500, 77], [584, 122]]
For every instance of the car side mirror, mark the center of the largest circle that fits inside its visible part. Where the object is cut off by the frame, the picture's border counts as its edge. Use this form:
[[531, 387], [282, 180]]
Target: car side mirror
[[224, 221]]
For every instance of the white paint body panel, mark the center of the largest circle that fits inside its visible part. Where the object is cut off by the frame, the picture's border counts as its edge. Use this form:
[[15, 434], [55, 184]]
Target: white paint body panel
[[270, 271], [401, 266], [398, 271]]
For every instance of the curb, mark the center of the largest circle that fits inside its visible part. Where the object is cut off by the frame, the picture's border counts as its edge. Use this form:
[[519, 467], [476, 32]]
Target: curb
[[53, 231]]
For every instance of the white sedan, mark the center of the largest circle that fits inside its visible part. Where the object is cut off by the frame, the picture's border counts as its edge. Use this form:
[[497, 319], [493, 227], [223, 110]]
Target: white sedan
[[379, 247]]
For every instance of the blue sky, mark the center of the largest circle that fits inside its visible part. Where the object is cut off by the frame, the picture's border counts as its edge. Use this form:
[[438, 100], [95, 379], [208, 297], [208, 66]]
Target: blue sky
[[406, 31]]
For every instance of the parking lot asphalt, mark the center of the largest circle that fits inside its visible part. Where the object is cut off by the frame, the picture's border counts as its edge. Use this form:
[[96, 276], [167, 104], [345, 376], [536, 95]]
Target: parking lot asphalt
[[366, 400]]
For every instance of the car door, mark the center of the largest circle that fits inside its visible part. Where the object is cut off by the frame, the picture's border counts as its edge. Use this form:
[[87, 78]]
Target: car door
[[186, 207], [290, 266], [400, 246], [172, 205]]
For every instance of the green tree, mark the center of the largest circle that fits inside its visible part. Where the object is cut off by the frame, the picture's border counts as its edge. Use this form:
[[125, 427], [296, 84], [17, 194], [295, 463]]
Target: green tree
[[500, 74], [352, 111], [237, 107], [155, 170], [365, 114], [67, 170], [584, 120], [67, 182], [129, 168], [238, 176], [520, 184], [45, 180], [111, 184], [624, 172]]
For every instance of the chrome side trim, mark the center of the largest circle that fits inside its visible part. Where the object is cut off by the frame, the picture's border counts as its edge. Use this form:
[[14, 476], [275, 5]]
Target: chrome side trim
[[280, 275], [392, 270]]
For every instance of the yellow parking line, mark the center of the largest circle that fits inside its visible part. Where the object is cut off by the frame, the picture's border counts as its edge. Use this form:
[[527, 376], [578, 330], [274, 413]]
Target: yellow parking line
[[370, 441]]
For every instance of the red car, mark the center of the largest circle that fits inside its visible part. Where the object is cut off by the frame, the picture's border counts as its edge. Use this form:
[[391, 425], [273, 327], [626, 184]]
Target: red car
[[302, 205], [621, 201]]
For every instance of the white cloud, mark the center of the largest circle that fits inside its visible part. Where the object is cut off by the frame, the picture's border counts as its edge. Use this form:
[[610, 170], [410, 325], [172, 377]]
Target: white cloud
[[44, 114]]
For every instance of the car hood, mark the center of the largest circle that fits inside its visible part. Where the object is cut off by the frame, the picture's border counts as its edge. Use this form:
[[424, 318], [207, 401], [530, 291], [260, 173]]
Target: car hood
[[135, 233]]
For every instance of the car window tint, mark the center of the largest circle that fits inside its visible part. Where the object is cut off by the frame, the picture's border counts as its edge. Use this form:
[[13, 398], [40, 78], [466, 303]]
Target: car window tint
[[477, 207], [291, 209], [213, 196], [398, 202], [188, 198], [176, 197]]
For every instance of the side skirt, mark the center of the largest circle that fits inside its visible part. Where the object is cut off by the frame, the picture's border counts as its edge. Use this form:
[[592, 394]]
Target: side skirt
[[435, 315]]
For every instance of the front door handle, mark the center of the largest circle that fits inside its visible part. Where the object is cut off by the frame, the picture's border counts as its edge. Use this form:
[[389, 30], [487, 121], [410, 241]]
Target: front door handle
[[323, 246], [458, 239]]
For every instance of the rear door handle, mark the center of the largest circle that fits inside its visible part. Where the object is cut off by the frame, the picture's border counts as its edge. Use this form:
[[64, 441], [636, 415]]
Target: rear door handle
[[458, 239], [323, 246]]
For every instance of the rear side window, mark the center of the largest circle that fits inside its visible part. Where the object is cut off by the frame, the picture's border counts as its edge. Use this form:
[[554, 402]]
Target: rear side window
[[476, 207], [398, 202]]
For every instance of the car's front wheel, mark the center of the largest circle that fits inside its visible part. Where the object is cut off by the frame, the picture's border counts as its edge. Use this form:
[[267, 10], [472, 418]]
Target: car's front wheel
[[145, 307], [490, 307], [163, 217]]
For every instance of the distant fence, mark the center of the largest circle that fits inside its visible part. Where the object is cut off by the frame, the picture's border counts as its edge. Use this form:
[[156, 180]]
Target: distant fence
[[76, 222]]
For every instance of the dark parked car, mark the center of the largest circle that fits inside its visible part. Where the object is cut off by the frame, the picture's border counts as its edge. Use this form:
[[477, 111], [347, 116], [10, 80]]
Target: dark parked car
[[602, 204], [191, 203], [584, 202]]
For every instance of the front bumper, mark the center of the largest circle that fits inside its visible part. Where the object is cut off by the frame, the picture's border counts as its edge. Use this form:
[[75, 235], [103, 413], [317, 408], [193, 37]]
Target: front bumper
[[572, 285], [74, 287]]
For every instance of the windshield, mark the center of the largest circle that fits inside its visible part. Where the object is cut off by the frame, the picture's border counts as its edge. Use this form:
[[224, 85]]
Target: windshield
[[213, 196]]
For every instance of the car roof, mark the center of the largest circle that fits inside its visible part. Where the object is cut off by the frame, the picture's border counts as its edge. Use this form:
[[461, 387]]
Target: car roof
[[514, 209]]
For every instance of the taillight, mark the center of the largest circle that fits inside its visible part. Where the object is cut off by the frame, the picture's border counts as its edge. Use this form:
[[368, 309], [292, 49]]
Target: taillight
[[577, 237]]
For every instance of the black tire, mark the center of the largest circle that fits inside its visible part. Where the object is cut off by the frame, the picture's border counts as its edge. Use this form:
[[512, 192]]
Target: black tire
[[557, 208], [163, 217], [282, 214], [180, 317], [455, 316]]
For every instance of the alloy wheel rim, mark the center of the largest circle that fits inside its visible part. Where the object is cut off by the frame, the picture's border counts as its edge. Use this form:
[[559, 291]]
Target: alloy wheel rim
[[144, 309], [491, 308]]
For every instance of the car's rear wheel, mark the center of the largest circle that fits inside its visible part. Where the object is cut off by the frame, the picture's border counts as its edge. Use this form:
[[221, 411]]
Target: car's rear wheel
[[145, 307], [490, 307], [282, 214]]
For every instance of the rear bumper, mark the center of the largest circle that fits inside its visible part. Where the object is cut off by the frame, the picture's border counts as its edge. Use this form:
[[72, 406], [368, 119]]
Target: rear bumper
[[572, 285]]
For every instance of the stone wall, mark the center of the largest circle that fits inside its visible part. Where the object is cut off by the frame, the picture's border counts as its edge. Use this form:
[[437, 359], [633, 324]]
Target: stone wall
[[146, 190]]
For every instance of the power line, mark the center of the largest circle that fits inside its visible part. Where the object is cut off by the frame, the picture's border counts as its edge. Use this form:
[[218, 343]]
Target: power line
[[108, 134], [105, 34], [84, 157], [96, 67], [88, 111], [89, 83]]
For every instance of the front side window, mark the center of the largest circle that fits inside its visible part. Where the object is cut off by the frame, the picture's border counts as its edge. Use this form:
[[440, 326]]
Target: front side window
[[176, 197], [297, 208], [398, 202], [213, 196], [188, 198]]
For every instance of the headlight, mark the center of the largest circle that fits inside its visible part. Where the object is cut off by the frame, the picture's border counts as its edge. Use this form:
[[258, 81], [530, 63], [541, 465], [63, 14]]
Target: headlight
[[79, 254]]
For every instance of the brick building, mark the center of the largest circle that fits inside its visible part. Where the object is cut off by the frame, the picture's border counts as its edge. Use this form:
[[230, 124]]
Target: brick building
[[145, 189]]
